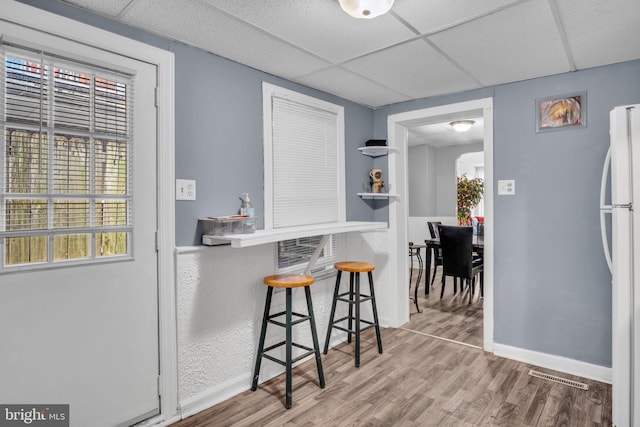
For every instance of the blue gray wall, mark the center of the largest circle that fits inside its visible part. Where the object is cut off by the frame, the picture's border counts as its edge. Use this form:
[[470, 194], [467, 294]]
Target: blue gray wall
[[218, 129], [432, 188], [552, 288], [219, 138]]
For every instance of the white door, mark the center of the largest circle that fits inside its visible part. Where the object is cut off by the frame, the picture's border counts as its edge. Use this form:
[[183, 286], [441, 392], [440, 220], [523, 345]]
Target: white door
[[87, 335]]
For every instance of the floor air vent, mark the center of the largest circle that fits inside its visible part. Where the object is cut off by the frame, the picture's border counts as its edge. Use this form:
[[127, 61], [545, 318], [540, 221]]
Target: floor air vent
[[559, 380]]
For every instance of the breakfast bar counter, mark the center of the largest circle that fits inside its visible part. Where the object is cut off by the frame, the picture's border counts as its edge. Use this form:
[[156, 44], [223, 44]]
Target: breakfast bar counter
[[260, 237]]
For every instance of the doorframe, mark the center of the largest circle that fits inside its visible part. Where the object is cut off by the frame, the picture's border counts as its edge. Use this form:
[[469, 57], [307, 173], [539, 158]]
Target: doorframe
[[397, 136], [41, 20]]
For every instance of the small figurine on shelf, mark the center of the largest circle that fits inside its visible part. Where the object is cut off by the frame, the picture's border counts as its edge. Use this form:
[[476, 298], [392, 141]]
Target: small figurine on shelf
[[376, 180]]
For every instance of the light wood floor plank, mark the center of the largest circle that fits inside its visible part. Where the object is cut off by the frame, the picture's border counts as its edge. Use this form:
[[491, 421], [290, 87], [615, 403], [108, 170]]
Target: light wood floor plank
[[418, 381]]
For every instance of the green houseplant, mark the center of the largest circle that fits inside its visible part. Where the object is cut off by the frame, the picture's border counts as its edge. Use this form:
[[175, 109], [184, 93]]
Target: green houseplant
[[470, 193]]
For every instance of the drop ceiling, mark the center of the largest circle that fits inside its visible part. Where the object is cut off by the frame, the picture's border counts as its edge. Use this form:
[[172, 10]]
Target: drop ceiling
[[421, 48]]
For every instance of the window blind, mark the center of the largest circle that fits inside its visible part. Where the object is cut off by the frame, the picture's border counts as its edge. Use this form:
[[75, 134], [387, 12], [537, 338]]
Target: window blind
[[66, 159], [304, 173], [305, 161]]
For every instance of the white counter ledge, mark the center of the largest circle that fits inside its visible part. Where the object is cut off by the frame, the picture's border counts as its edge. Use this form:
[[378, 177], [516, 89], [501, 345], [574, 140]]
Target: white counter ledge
[[261, 237]]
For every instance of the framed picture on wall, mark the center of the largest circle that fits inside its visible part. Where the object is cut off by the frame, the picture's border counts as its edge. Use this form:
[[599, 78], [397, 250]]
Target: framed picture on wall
[[561, 112]]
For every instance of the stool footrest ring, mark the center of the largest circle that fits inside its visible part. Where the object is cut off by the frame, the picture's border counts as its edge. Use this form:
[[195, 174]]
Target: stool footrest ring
[[294, 322], [309, 352], [363, 298], [340, 320], [351, 331], [352, 318], [282, 313]]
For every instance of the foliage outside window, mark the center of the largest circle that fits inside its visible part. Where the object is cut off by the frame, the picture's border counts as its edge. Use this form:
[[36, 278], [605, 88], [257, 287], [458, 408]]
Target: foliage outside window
[[470, 192], [65, 161]]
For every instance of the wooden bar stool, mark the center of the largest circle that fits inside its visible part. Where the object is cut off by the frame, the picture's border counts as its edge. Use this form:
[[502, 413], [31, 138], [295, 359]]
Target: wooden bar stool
[[288, 282], [353, 298]]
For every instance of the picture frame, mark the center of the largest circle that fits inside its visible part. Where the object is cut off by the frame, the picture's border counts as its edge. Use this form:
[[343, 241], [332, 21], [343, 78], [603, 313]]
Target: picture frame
[[561, 112]]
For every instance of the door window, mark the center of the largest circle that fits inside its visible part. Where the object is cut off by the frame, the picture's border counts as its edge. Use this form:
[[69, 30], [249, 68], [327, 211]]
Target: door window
[[66, 164]]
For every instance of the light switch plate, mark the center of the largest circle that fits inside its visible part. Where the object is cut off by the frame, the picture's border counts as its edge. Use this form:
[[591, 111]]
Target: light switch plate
[[185, 189], [506, 187]]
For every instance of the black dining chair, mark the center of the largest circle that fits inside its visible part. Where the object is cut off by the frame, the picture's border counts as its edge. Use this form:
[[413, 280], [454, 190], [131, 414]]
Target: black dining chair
[[457, 258], [436, 252]]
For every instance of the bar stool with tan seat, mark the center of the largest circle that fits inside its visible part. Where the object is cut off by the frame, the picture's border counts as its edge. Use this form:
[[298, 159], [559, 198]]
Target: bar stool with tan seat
[[353, 297], [288, 282]]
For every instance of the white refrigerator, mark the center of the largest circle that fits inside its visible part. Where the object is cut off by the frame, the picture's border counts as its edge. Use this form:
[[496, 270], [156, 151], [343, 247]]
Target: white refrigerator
[[624, 260]]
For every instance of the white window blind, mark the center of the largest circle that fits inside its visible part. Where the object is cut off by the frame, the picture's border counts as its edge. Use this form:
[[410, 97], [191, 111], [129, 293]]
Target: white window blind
[[65, 160], [305, 162], [304, 172]]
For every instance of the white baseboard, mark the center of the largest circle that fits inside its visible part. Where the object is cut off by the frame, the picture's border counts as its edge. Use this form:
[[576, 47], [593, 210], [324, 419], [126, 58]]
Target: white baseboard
[[214, 395], [159, 421], [557, 363], [228, 389], [235, 386]]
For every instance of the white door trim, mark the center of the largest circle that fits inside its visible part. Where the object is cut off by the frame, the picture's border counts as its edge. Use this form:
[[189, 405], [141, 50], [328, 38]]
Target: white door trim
[[397, 137], [38, 19]]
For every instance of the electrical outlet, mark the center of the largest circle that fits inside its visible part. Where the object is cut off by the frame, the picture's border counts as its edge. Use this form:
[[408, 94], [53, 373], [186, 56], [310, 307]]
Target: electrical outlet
[[506, 187], [185, 189]]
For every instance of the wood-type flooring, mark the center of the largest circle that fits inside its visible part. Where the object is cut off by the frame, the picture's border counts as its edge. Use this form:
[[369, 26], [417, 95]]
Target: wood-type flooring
[[419, 380], [451, 317]]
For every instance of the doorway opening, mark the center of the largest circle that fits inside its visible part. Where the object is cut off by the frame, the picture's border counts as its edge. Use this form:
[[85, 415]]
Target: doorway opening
[[398, 126], [439, 156]]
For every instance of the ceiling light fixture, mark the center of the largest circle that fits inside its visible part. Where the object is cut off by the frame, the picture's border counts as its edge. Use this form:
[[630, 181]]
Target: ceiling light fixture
[[462, 125], [366, 9]]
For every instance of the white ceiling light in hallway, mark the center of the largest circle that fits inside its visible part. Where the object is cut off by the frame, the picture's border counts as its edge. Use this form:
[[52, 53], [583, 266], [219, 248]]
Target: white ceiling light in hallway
[[366, 9], [462, 125]]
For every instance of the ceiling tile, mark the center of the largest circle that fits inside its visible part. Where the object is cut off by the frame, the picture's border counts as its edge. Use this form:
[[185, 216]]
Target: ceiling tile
[[414, 69], [320, 27], [351, 86], [601, 44], [518, 43], [433, 15], [471, 44], [112, 7], [205, 27]]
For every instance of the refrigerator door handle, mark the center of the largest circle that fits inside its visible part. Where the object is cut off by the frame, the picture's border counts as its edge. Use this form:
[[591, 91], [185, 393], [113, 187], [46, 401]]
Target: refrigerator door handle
[[624, 206], [604, 209]]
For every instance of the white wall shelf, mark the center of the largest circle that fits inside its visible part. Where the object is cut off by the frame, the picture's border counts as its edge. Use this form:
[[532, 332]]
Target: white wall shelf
[[377, 150], [261, 237], [377, 195]]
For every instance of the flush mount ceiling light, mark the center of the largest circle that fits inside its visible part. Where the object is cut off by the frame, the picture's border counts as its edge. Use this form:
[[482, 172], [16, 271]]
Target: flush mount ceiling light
[[366, 9], [462, 125]]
